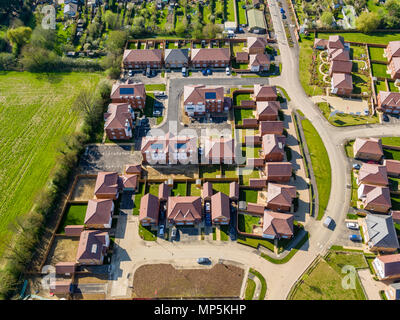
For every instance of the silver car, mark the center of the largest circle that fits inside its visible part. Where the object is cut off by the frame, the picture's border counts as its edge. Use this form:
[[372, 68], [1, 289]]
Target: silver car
[[352, 225]]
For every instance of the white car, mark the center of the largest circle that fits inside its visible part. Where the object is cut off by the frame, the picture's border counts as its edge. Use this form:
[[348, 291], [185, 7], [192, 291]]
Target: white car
[[228, 72], [208, 207], [352, 225]]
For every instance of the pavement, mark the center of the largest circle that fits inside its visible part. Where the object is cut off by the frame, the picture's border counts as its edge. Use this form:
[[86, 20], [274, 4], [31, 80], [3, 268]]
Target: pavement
[[371, 286]]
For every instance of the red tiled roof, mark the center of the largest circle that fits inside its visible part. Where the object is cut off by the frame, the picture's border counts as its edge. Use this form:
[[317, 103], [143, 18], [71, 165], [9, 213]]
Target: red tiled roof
[[220, 206], [133, 169], [278, 224], [259, 59], [234, 190], [279, 194], [106, 183], [338, 66], [164, 191], [392, 166], [389, 99], [342, 81], [143, 55], [393, 49], [118, 116], [182, 209], [91, 245], [210, 54], [130, 181], [268, 108], [278, 169], [219, 148], [373, 174], [149, 207], [138, 90], [255, 208], [256, 42], [272, 143], [197, 94], [207, 190], [370, 146], [264, 91], [271, 127], [98, 211]]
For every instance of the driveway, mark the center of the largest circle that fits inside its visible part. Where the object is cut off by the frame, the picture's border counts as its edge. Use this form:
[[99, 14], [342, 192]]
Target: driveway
[[344, 105], [371, 286]]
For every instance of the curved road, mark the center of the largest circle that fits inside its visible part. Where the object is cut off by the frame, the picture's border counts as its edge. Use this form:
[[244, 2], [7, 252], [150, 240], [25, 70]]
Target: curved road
[[280, 278]]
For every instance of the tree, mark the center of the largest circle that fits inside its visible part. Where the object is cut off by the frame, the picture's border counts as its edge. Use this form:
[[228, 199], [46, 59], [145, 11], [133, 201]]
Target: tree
[[7, 61], [197, 30], [327, 19], [116, 41], [392, 18], [210, 31], [43, 38], [368, 21], [181, 29], [18, 37], [111, 19], [36, 59], [138, 26]]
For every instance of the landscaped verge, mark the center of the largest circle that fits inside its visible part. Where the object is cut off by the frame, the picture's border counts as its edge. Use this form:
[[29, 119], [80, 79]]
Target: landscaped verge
[[263, 290]]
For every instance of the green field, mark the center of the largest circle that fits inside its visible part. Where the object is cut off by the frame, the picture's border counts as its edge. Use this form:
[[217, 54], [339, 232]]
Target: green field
[[391, 141], [179, 189], [221, 187], [246, 222], [380, 86], [392, 87], [239, 97], [210, 171], [230, 10], [376, 54], [248, 195], [241, 12], [138, 196], [373, 37], [194, 190], [241, 114], [155, 87], [74, 215], [324, 282], [379, 70], [320, 164], [35, 114]]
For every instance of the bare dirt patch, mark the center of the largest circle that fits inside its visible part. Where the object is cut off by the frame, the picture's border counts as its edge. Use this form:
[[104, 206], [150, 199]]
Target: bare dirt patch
[[163, 280], [91, 278], [174, 172], [63, 249], [89, 296], [84, 189]]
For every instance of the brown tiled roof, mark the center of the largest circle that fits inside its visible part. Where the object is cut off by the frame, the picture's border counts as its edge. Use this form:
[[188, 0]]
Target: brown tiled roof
[[252, 140], [65, 267], [393, 49], [392, 166], [164, 191], [118, 116], [395, 215], [184, 209], [389, 99], [130, 181], [91, 245], [271, 127], [143, 55], [338, 66], [391, 264], [264, 91], [340, 55], [255, 208], [256, 42], [254, 162], [149, 207], [272, 143], [278, 169], [373, 174], [370, 146], [207, 190], [133, 169], [395, 64], [220, 206], [98, 211], [342, 81], [73, 230], [257, 183], [222, 148], [278, 224], [242, 56], [234, 190], [280, 194], [61, 287], [268, 108], [138, 90], [378, 196], [250, 122], [197, 93], [106, 183], [259, 59], [363, 189], [210, 54], [320, 42], [336, 41]]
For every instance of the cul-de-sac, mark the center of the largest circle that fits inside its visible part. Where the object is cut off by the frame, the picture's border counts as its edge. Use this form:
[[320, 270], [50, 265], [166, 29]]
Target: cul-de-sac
[[200, 149]]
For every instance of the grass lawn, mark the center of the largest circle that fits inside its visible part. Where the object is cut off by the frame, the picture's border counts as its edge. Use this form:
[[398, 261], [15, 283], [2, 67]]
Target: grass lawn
[[251, 152], [247, 174], [380, 86], [237, 98], [138, 196], [324, 282], [148, 109], [153, 189], [320, 164], [229, 171], [221, 187], [349, 149], [379, 70], [147, 234], [250, 289], [395, 198], [179, 189], [344, 119], [392, 87], [224, 232], [246, 222], [305, 59], [230, 10], [210, 171], [376, 54], [237, 47], [391, 154], [373, 37], [241, 12], [241, 114], [194, 190], [248, 195], [155, 87], [391, 141], [263, 290], [74, 215], [35, 114]]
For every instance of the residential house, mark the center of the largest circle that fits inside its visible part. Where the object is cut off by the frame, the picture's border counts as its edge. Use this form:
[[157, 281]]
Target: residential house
[[267, 110], [256, 45], [164, 191], [338, 66], [277, 225], [379, 233], [220, 208], [74, 230], [219, 151], [210, 57], [127, 92], [254, 162], [278, 171], [320, 44], [256, 21], [392, 291], [280, 197], [66, 268], [273, 147], [375, 174], [149, 210], [387, 266], [169, 149], [207, 191], [342, 84], [61, 287], [271, 127], [395, 215], [394, 68], [368, 149], [256, 208], [108, 185], [176, 58], [242, 57], [93, 245], [258, 183], [389, 102], [199, 100], [119, 121], [99, 213], [336, 42], [392, 50], [259, 62], [392, 167], [133, 169], [265, 93], [375, 198], [70, 10], [234, 191], [143, 58], [340, 55], [130, 182], [184, 210]]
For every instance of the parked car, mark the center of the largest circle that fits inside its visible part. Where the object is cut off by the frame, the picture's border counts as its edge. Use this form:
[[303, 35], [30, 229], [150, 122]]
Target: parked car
[[209, 72], [203, 261], [144, 72], [130, 73], [157, 113], [200, 150], [208, 207], [208, 220], [184, 71], [356, 166], [355, 237], [283, 16], [227, 71], [204, 72], [161, 231], [282, 10], [328, 220], [173, 233], [352, 225], [385, 118]]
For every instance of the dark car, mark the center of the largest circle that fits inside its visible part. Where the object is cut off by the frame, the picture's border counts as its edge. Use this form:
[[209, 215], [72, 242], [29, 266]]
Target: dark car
[[355, 237], [209, 72], [204, 72], [282, 10], [283, 16], [385, 118], [208, 220], [203, 261]]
